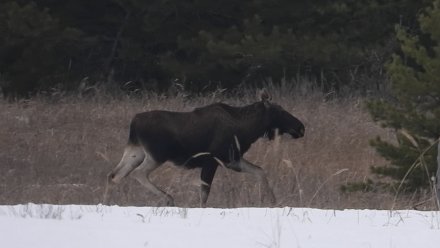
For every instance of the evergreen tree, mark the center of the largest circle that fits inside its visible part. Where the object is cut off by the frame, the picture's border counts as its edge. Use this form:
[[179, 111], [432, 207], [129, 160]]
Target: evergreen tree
[[328, 41], [153, 43], [36, 52], [414, 110]]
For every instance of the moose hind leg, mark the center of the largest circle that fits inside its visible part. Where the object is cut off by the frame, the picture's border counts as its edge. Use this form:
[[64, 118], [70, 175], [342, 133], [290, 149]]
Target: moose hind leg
[[246, 166], [141, 174], [132, 157]]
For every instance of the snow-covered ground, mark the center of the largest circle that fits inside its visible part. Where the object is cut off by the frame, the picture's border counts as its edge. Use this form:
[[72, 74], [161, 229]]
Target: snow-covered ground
[[77, 226]]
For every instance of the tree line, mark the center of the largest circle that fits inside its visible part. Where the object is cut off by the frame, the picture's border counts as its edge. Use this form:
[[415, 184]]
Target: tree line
[[198, 44]]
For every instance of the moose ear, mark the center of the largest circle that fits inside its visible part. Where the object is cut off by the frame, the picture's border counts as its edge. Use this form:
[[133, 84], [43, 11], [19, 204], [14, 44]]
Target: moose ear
[[264, 95]]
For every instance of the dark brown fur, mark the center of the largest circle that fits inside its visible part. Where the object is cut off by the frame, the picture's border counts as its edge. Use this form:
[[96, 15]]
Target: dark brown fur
[[209, 136]]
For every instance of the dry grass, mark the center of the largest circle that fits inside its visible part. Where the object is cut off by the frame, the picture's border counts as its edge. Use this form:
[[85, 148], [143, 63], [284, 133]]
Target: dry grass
[[61, 152]]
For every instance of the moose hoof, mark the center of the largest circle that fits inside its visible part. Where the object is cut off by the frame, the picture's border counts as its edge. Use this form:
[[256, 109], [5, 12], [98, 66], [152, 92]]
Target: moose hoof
[[273, 201], [271, 198], [170, 202]]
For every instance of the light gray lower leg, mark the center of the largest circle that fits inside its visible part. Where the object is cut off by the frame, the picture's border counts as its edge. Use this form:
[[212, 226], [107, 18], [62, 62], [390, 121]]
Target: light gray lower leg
[[141, 174], [248, 167], [204, 192]]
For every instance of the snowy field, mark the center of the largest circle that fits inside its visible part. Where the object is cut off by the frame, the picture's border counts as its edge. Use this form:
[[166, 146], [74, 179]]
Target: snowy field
[[77, 226]]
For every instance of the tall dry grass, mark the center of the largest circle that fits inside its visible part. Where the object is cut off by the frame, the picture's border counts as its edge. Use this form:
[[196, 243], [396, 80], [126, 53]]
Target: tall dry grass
[[60, 152]]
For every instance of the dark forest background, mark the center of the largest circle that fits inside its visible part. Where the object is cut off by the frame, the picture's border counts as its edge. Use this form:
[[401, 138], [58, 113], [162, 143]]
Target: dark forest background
[[198, 44]]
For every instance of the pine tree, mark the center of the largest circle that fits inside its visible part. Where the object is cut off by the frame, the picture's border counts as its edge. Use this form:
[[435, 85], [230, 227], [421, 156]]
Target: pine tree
[[414, 110], [36, 51]]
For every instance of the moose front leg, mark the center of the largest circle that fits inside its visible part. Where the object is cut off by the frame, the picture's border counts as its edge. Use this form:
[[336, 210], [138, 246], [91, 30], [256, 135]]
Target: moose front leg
[[245, 166], [206, 176]]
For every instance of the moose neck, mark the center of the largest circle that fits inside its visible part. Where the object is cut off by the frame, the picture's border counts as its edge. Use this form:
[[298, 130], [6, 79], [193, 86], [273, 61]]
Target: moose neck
[[253, 123]]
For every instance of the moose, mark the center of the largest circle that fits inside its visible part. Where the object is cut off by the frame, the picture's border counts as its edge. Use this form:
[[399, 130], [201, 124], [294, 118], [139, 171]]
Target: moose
[[207, 137]]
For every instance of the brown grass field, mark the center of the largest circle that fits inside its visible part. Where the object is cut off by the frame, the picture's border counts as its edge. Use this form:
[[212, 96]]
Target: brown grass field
[[60, 151]]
